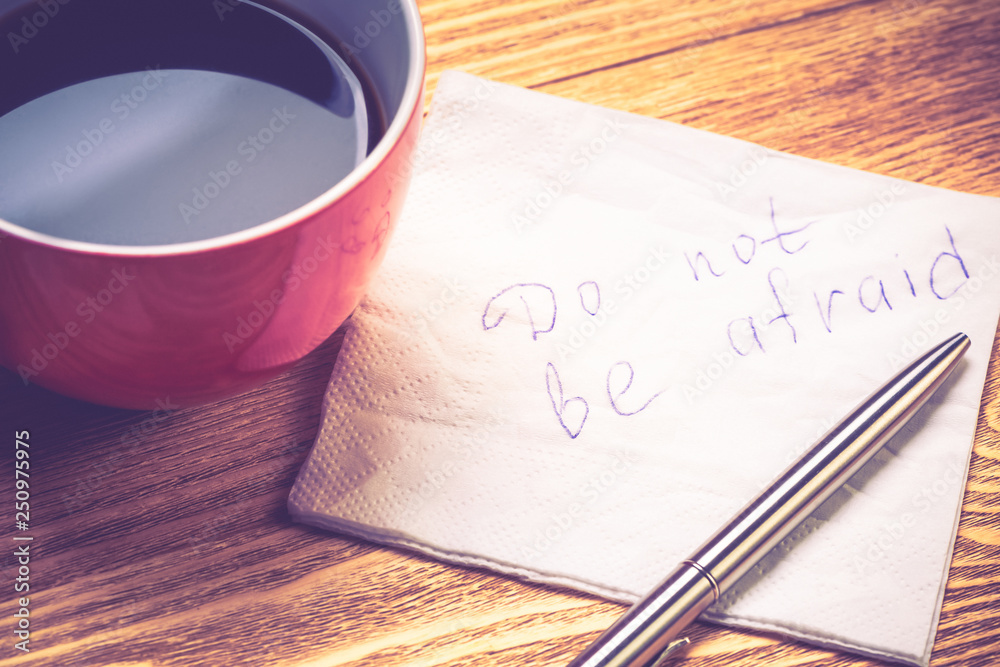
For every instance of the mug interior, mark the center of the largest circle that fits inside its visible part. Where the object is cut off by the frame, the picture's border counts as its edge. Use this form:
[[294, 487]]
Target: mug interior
[[382, 41]]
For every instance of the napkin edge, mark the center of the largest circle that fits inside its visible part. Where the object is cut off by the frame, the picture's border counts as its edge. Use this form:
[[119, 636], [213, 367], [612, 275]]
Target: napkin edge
[[815, 640], [491, 566], [569, 585], [949, 557]]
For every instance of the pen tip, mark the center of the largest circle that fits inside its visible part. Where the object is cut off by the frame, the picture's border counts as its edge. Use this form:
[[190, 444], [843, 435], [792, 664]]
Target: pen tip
[[954, 348]]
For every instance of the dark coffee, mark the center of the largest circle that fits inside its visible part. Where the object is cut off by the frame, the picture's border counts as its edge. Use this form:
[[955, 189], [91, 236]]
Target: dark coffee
[[142, 122]]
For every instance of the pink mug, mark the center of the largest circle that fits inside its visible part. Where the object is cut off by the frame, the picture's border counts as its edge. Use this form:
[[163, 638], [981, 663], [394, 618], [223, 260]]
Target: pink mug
[[195, 321]]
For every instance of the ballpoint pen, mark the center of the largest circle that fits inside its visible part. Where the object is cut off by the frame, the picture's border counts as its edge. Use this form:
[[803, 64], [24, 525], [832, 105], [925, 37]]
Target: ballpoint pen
[[650, 630]]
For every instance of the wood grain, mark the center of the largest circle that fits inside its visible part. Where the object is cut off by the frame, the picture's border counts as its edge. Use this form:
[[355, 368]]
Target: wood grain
[[163, 540]]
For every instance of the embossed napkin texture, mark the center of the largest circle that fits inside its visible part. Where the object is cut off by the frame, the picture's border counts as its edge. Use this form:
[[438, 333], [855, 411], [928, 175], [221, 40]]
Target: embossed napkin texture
[[597, 335]]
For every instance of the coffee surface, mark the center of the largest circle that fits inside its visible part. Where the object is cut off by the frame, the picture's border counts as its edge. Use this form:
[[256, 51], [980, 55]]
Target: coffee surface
[[167, 156], [155, 123]]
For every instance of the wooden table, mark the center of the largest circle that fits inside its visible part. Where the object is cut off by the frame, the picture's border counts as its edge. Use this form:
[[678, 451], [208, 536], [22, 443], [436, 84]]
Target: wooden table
[[162, 538]]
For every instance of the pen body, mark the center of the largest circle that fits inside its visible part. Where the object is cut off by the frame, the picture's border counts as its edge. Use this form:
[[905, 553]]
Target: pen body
[[826, 467], [643, 635]]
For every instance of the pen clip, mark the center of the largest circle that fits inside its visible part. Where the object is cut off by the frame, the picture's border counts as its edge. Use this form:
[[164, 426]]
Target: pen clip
[[672, 647]]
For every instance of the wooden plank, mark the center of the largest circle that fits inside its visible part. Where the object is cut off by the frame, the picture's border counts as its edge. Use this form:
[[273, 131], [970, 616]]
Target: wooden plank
[[165, 541]]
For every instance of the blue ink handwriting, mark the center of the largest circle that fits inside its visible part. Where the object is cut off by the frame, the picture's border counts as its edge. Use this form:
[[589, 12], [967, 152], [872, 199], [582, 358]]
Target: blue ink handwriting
[[590, 297], [535, 297], [745, 247], [615, 395], [946, 275], [563, 405]]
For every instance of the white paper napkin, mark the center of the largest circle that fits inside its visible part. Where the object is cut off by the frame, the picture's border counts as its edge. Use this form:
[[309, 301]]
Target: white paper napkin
[[597, 335]]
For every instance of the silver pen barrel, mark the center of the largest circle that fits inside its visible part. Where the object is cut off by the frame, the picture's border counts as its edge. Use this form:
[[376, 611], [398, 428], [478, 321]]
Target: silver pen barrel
[[650, 628]]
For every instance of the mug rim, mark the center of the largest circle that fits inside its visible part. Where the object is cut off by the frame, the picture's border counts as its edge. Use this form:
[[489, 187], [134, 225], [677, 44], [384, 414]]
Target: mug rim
[[412, 94]]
